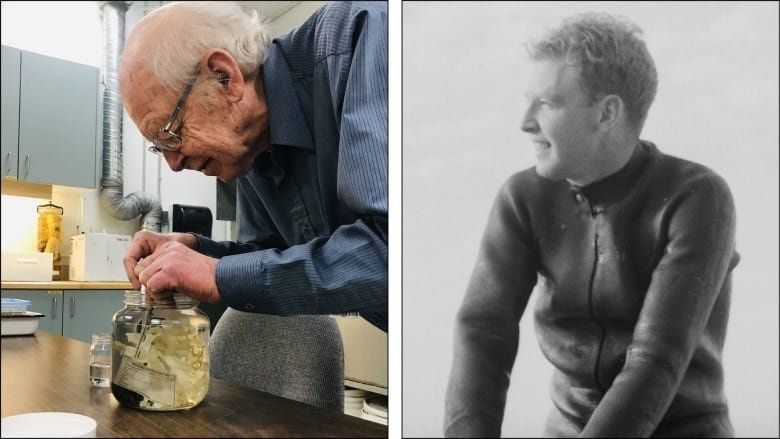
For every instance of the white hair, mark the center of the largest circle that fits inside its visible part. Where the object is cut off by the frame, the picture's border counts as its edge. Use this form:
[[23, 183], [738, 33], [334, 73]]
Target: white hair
[[207, 24]]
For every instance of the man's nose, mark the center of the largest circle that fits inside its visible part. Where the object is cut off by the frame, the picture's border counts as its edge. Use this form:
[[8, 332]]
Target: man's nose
[[175, 160], [529, 123]]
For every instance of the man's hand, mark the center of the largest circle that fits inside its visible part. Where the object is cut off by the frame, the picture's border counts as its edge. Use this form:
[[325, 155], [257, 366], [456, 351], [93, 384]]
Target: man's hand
[[174, 266], [144, 244]]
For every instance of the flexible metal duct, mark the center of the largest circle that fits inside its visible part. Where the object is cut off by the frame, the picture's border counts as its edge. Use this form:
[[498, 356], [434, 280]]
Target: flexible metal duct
[[111, 185]]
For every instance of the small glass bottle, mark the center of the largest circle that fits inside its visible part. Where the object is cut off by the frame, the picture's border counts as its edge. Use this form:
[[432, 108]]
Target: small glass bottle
[[100, 360], [160, 356]]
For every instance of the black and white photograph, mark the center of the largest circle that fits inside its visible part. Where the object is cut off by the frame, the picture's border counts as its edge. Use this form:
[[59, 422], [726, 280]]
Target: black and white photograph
[[590, 224]]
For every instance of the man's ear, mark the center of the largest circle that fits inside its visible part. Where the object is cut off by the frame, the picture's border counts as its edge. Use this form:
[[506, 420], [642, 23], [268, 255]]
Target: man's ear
[[223, 79], [223, 67], [611, 111]]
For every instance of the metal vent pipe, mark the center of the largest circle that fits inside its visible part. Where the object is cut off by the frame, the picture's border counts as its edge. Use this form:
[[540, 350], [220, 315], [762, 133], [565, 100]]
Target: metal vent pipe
[[112, 15]]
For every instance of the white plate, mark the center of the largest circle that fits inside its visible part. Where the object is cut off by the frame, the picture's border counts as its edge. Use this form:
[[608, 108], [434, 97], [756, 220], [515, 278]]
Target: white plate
[[354, 393], [376, 407], [372, 418], [48, 424]]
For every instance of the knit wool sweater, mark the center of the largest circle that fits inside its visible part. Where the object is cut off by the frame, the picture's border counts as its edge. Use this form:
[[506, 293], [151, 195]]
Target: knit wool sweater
[[633, 277]]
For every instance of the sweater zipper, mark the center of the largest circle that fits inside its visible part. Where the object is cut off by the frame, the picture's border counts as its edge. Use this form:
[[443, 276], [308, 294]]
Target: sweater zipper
[[592, 310]]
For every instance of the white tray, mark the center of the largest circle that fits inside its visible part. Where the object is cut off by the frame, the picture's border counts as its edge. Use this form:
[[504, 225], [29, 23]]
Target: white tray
[[21, 324]]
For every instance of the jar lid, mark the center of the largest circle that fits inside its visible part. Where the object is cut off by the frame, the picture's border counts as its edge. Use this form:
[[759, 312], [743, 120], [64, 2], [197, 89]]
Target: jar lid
[[140, 297], [48, 424]]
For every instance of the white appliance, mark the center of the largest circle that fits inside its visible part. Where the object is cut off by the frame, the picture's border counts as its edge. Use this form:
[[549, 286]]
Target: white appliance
[[27, 266], [98, 257]]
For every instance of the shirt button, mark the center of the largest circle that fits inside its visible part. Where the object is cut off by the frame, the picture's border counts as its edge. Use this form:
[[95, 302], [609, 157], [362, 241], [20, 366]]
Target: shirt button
[[249, 307], [578, 197]]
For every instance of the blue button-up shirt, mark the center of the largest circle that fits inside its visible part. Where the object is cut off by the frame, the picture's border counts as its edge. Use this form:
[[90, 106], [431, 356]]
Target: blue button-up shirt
[[312, 213]]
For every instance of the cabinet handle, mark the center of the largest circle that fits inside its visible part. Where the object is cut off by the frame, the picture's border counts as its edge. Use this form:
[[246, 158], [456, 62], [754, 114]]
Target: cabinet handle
[[53, 307], [8, 162], [72, 306], [26, 166]]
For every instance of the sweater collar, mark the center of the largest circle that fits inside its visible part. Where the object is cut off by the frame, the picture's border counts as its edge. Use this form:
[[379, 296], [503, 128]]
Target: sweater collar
[[614, 187]]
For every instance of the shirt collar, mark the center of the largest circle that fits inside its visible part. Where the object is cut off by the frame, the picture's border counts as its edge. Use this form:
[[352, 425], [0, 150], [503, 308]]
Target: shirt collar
[[270, 165], [615, 187], [285, 116]]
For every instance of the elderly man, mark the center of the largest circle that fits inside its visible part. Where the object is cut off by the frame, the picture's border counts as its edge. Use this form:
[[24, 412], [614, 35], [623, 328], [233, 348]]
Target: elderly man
[[301, 122], [630, 251]]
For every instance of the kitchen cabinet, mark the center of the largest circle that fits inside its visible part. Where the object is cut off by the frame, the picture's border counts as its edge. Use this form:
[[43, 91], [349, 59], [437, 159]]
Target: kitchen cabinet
[[50, 119], [9, 134], [90, 312], [73, 313]]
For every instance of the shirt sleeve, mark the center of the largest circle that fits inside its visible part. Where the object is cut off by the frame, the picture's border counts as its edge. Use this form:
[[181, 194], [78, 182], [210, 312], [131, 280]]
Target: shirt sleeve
[[256, 231], [684, 287], [487, 324], [345, 271]]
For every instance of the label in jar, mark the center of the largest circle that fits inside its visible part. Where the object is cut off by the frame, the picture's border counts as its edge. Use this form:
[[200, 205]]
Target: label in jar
[[156, 386]]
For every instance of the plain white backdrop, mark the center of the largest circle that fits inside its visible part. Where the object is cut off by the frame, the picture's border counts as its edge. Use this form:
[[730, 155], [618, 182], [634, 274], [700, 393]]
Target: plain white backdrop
[[464, 67]]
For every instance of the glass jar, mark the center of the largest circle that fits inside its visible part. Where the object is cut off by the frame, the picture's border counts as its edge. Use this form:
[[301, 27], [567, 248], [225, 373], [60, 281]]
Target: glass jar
[[160, 355], [50, 235], [100, 360]]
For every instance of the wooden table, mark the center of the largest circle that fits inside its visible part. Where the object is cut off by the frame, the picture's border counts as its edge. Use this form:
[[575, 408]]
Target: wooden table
[[47, 372]]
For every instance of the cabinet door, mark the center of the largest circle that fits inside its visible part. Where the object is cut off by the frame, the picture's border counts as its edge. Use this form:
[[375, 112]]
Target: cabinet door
[[11, 59], [48, 303], [90, 312], [58, 105]]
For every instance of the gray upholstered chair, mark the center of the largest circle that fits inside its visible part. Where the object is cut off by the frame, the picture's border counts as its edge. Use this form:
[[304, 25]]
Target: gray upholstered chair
[[297, 357]]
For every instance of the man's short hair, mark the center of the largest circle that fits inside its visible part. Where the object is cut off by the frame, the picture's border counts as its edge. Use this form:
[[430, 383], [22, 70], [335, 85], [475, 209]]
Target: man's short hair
[[612, 56], [184, 30]]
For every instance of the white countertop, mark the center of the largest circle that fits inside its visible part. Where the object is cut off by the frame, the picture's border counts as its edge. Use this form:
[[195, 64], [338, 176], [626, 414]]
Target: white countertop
[[66, 285]]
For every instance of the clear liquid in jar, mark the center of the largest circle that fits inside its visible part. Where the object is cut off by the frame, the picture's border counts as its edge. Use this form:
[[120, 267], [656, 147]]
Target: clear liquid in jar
[[100, 374], [161, 368]]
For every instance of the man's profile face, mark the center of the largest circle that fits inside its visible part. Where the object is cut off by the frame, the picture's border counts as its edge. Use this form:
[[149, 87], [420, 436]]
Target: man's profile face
[[561, 121], [210, 143]]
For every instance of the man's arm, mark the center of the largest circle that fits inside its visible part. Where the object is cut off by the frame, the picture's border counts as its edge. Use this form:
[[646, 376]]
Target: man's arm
[[487, 325], [676, 309], [255, 232]]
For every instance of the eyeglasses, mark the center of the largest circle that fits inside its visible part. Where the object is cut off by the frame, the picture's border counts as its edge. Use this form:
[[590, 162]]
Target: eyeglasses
[[167, 140]]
